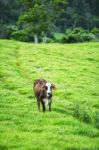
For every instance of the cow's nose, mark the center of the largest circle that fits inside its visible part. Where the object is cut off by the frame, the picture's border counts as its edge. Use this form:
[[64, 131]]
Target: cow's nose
[[49, 95]]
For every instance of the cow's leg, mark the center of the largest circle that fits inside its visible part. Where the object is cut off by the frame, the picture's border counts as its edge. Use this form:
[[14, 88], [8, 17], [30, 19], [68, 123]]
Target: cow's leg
[[50, 105], [38, 103], [43, 105]]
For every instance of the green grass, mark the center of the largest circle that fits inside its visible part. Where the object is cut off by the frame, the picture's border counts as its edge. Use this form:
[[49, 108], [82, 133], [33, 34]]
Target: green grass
[[73, 123]]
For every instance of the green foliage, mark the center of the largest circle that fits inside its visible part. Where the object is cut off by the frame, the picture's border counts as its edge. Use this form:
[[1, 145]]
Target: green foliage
[[35, 20], [39, 16], [6, 30], [9, 13], [79, 35], [47, 40], [50, 16], [74, 35], [83, 113], [96, 116], [58, 37], [70, 36], [3, 31], [81, 13], [11, 29], [21, 35], [95, 30]]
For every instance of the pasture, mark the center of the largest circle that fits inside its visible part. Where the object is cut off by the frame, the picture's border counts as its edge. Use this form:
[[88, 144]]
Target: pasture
[[73, 123]]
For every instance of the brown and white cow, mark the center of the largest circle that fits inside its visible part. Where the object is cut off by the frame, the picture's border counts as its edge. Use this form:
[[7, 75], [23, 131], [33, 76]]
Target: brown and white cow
[[43, 93]]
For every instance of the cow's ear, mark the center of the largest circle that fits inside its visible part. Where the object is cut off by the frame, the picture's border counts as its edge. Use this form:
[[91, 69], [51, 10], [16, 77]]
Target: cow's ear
[[53, 87]]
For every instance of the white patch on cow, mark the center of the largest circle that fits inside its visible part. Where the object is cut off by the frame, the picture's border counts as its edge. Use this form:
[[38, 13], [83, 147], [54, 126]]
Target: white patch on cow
[[48, 85], [46, 101]]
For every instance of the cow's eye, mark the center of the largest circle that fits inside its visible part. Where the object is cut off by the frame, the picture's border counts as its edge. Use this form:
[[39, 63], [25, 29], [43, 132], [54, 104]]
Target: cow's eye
[[46, 87]]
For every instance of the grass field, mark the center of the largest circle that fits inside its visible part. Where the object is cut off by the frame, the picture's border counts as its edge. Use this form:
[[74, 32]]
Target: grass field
[[73, 123]]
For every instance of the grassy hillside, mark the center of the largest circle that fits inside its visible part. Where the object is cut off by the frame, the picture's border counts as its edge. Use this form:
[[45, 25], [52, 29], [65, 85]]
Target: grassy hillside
[[73, 123]]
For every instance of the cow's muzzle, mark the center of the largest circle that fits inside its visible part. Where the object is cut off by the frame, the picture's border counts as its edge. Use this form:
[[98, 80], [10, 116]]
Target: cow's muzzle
[[49, 95]]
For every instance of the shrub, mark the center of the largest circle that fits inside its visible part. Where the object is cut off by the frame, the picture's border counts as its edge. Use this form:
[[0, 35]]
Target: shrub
[[89, 37], [59, 37], [79, 35], [21, 35], [95, 31], [47, 40], [6, 30], [11, 29]]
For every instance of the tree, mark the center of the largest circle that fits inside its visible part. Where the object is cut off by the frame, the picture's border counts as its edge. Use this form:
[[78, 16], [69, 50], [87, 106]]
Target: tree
[[9, 13], [41, 15], [57, 11], [82, 13], [34, 20]]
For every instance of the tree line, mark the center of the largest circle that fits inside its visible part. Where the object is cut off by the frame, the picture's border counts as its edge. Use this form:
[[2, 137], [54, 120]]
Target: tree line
[[49, 20]]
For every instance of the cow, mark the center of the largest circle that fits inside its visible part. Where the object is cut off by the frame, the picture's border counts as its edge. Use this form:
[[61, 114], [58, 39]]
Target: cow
[[43, 93]]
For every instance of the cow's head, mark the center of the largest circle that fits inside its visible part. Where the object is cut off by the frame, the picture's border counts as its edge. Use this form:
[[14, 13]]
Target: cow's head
[[49, 88]]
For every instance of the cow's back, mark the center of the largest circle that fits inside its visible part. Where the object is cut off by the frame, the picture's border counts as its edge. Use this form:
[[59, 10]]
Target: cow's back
[[38, 85]]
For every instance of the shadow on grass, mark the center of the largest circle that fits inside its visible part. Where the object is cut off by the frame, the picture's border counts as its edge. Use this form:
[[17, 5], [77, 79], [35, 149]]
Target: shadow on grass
[[3, 147], [31, 97], [59, 110]]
